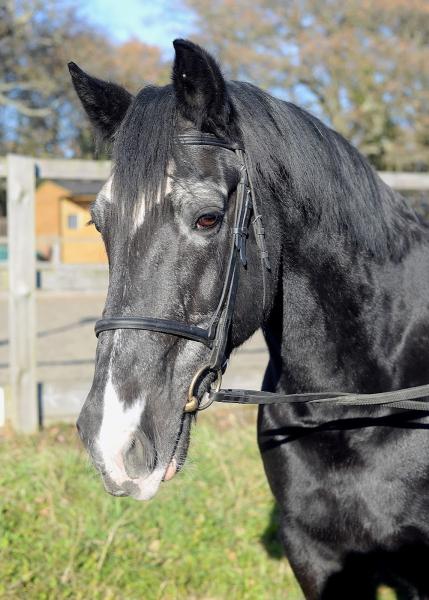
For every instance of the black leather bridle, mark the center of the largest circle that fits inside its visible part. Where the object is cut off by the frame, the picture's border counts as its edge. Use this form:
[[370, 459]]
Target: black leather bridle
[[216, 335]]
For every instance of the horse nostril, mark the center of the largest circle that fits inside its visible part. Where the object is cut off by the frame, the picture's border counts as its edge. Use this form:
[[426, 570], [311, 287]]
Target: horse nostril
[[134, 459], [138, 456]]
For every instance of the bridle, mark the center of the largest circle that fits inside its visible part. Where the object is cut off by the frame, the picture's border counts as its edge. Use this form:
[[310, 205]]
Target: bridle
[[216, 335]]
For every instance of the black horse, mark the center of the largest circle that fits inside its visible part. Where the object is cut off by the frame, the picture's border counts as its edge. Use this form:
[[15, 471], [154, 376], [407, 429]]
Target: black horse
[[345, 306]]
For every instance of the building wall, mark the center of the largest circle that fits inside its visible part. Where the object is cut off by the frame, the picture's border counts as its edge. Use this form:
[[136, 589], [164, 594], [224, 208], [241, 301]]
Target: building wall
[[80, 243], [47, 216], [48, 209]]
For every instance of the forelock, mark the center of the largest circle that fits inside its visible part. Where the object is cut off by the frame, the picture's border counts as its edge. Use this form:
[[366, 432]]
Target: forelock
[[141, 152]]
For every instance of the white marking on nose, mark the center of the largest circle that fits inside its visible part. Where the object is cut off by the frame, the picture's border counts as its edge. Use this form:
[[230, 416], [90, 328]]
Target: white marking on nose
[[117, 426]]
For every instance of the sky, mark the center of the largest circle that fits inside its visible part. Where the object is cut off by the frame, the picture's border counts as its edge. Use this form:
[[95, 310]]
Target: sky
[[151, 21]]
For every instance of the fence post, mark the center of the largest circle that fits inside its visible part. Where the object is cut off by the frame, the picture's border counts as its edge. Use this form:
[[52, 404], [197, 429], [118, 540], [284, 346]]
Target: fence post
[[22, 268]]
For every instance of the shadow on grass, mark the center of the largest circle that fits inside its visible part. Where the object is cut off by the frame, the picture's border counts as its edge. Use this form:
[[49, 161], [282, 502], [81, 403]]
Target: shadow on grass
[[270, 539]]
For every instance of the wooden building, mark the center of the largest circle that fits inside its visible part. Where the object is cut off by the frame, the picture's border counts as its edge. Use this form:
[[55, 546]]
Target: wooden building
[[62, 216]]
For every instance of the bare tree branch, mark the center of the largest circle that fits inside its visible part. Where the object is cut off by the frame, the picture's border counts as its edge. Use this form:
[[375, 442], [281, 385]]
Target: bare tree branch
[[363, 66], [20, 85], [27, 111]]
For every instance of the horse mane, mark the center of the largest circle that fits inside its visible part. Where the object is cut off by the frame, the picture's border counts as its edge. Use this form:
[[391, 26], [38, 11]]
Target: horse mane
[[322, 182]]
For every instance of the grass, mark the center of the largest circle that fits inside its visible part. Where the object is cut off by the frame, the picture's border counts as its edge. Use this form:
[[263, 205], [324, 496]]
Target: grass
[[209, 534]]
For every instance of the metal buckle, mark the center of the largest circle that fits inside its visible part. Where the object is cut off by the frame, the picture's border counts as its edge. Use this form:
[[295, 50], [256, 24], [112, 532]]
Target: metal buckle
[[192, 404]]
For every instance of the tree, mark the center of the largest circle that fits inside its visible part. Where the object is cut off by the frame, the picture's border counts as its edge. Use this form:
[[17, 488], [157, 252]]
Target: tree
[[361, 66], [39, 111]]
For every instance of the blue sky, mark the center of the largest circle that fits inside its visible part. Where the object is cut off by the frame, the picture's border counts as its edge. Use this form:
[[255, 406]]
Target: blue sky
[[156, 22], [152, 22]]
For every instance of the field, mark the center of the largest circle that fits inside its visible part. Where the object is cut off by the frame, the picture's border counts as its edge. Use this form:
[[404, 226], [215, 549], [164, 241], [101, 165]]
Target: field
[[209, 534]]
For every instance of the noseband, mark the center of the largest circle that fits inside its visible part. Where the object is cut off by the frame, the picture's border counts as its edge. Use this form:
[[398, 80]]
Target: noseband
[[216, 335]]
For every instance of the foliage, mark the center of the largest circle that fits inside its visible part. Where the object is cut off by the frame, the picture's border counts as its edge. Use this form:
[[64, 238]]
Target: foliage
[[39, 111], [362, 66]]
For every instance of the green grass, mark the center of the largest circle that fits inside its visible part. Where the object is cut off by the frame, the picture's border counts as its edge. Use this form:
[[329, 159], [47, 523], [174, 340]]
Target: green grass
[[62, 536], [209, 534]]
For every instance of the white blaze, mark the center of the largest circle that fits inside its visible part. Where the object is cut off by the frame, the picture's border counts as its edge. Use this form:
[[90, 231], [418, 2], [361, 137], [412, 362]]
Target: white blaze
[[118, 424], [140, 209], [106, 191]]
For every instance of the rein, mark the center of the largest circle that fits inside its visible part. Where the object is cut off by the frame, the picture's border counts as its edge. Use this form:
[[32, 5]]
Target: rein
[[404, 399], [216, 335]]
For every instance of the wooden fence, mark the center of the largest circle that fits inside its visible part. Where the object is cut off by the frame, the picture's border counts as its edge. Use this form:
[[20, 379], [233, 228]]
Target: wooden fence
[[21, 173]]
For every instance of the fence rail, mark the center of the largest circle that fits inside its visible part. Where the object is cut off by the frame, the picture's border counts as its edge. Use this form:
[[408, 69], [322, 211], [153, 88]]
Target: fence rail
[[59, 168], [406, 181]]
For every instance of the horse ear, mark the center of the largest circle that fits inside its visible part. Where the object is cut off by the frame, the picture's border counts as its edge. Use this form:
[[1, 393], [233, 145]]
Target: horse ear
[[105, 103], [200, 88]]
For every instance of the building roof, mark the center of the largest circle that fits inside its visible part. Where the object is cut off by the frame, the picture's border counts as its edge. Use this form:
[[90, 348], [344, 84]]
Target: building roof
[[80, 188]]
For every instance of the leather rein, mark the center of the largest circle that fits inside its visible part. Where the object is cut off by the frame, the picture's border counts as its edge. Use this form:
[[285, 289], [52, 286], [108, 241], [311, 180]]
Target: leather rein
[[216, 335]]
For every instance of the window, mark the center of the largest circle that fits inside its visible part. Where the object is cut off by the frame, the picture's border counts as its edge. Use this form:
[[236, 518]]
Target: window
[[72, 221]]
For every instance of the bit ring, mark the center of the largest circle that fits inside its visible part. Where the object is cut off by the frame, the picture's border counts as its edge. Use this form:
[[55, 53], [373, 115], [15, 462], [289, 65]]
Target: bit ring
[[192, 405]]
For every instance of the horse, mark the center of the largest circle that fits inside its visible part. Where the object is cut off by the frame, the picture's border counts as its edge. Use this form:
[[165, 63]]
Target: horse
[[343, 305]]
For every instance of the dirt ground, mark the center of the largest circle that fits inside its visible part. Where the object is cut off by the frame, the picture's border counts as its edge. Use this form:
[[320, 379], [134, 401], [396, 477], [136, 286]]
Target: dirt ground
[[66, 348]]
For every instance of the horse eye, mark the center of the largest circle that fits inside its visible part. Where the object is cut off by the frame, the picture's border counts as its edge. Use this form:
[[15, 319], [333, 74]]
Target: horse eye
[[207, 221]]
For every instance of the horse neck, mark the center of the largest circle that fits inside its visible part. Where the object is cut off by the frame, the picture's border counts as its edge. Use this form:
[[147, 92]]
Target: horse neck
[[344, 319]]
